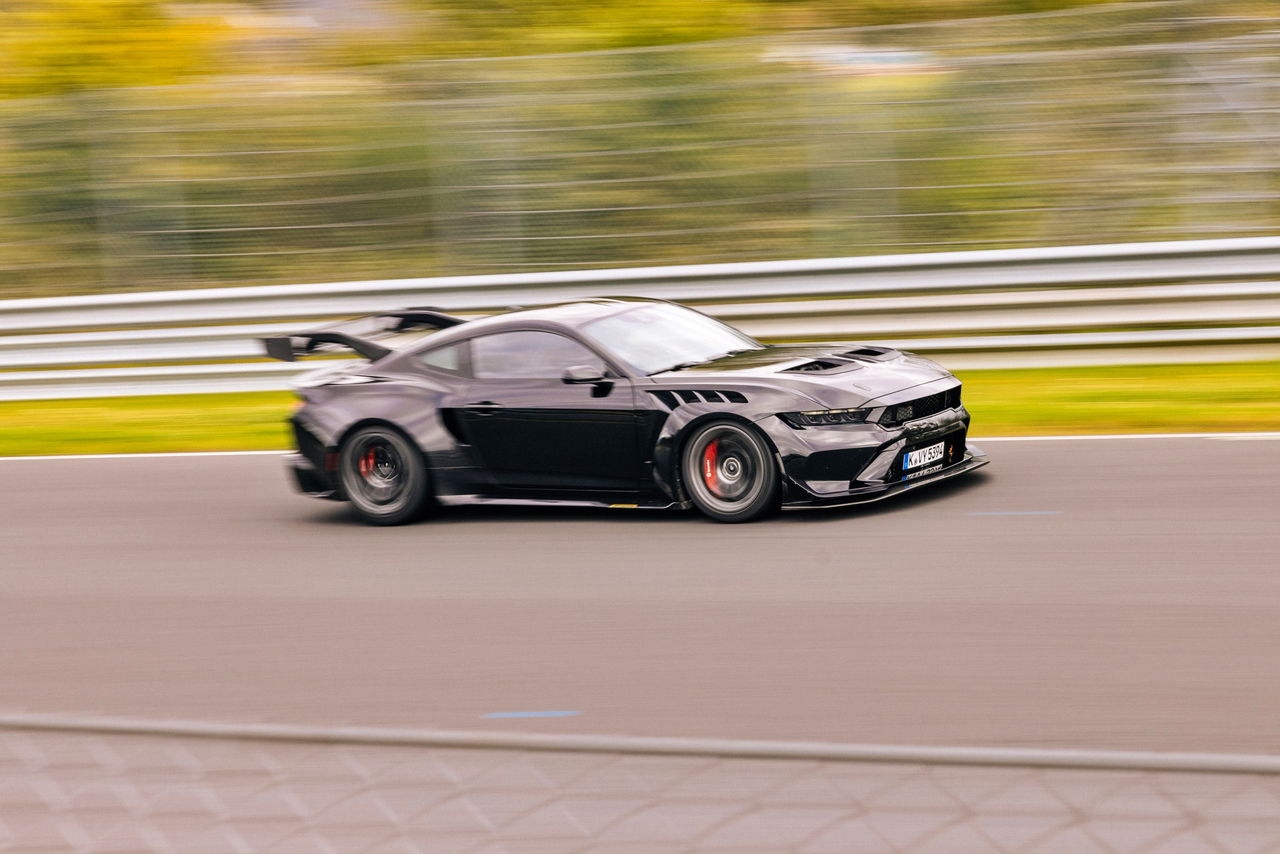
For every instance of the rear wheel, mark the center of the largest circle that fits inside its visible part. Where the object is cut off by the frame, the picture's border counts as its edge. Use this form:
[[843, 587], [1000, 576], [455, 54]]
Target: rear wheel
[[383, 475], [729, 472]]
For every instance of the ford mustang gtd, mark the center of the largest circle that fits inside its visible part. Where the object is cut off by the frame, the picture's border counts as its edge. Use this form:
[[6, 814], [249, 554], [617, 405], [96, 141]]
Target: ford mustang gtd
[[628, 402]]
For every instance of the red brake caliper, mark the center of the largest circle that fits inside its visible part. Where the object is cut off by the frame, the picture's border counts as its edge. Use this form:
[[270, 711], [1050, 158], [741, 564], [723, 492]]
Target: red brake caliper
[[366, 463], [709, 455]]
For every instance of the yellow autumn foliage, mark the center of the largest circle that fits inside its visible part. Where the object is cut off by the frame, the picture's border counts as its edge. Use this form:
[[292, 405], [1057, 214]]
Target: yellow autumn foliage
[[53, 47]]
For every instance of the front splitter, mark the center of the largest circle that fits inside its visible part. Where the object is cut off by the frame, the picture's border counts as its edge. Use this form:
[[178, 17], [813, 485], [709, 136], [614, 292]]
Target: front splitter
[[974, 459]]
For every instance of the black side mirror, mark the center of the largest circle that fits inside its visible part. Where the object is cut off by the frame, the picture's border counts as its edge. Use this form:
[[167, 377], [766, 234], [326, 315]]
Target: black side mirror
[[581, 375]]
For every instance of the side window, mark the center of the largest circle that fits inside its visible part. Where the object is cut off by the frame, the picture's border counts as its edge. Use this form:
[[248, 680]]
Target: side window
[[528, 355], [451, 359]]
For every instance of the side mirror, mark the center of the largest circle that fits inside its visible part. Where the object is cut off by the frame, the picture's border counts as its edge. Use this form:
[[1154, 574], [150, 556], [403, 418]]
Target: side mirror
[[581, 375]]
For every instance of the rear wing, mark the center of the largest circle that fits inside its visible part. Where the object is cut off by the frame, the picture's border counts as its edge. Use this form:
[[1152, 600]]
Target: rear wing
[[367, 336]]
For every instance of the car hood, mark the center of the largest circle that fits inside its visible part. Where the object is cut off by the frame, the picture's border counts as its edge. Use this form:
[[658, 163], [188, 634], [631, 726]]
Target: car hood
[[839, 374]]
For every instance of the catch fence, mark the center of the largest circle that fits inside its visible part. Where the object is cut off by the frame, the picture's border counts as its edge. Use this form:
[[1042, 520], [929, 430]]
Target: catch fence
[[1115, 124]]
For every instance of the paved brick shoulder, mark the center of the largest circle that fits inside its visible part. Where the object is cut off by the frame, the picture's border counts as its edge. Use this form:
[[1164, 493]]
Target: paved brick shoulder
[[124, 794]]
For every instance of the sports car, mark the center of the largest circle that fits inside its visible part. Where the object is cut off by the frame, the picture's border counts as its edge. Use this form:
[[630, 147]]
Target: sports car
[[616, 403]]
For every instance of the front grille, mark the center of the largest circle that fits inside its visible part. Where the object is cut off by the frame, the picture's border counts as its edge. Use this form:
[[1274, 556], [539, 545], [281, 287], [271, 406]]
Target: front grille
[[921, 407]]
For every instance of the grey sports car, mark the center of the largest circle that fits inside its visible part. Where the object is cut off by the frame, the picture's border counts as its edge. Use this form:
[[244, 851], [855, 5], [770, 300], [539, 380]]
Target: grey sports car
[[622, 403]]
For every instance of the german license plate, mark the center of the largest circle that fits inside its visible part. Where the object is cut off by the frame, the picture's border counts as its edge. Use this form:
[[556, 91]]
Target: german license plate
[[923, 456]]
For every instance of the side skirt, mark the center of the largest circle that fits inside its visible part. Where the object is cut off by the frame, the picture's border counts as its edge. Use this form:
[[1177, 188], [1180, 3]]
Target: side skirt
[[461, 500]]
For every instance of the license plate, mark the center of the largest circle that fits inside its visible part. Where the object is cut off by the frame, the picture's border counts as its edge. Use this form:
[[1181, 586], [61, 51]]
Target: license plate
[[924, 456]]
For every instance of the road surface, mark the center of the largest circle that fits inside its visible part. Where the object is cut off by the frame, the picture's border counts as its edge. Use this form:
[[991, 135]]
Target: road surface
[[1093, 593]]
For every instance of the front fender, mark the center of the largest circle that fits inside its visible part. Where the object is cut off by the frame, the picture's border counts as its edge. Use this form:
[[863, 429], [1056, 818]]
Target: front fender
[[671, 437]]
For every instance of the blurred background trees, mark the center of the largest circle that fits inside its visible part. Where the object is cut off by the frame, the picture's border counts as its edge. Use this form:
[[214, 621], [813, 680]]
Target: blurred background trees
[[148, 145], [50, 47]]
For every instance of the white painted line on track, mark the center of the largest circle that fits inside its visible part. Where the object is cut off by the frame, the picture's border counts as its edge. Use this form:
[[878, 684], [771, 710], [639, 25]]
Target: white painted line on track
[[1230, 437], [1097, 436], [145, 456]]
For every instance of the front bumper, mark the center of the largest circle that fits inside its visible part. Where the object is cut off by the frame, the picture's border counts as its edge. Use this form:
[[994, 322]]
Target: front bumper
[[859, 463]]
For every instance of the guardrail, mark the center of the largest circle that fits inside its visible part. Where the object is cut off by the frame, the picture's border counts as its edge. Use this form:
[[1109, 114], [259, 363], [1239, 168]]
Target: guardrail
[[1113, 304], [93, 784]]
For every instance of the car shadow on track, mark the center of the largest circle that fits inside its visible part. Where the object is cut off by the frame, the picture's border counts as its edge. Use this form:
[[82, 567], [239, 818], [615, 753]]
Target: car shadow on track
[[914, 501]]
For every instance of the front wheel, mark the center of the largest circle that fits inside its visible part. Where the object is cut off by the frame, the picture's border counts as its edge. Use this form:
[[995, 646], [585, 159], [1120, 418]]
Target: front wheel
[[383, 475], [729, 472]]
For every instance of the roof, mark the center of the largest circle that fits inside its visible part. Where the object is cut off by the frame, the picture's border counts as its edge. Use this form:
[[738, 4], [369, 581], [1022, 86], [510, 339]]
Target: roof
[[570, 314]]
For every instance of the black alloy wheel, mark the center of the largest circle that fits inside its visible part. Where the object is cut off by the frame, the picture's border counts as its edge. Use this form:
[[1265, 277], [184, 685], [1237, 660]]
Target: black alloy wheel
[[383, 475], [729, 472]]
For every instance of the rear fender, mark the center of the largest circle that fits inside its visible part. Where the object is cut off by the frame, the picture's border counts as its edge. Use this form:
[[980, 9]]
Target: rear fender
[[334, 412]]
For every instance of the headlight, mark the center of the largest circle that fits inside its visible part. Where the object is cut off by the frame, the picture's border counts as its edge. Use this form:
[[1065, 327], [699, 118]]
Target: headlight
[[825, 417]]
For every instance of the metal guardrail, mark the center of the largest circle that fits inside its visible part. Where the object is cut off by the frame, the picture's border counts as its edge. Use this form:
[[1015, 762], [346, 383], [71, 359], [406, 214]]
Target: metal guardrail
[[85, 784], [1116, 304]]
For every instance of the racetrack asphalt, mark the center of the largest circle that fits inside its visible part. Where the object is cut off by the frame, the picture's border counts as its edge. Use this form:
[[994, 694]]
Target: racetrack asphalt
[[1101, 593]]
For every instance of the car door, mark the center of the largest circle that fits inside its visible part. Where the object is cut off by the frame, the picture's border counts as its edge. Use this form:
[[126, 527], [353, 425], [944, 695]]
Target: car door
[[532, 430]]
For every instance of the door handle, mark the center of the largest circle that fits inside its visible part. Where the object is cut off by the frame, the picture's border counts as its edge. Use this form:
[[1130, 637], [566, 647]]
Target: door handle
[[484, 407]]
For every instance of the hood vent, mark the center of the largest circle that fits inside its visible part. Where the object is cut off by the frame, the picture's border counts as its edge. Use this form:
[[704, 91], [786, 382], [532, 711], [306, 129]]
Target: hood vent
[[816, 365], [849, 360], [878, 354], [825, 365], [673, 399]]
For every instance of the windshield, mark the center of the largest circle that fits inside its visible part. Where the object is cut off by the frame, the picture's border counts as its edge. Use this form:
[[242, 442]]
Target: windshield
[[660, 336]]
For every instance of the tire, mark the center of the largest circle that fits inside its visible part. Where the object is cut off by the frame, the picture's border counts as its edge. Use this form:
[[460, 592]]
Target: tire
[[730, 473], [383, 476]]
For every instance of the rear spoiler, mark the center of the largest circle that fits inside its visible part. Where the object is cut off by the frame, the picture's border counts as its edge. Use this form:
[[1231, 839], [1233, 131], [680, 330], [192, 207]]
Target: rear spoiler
[[360, 334]]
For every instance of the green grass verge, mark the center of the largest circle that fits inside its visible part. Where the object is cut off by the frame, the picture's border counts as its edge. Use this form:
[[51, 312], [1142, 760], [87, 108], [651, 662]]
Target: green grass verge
[[1232, 396], [1129, 399], [108, 425]]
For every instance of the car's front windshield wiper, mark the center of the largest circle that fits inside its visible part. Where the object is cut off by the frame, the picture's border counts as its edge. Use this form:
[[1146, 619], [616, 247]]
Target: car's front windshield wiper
[[680, 366]]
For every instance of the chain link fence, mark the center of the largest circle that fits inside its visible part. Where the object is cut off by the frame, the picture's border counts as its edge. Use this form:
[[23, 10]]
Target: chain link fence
[[109, 792], [1136, 122]]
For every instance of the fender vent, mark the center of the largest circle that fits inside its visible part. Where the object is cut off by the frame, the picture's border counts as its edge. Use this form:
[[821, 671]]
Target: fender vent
[[673, 399]]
